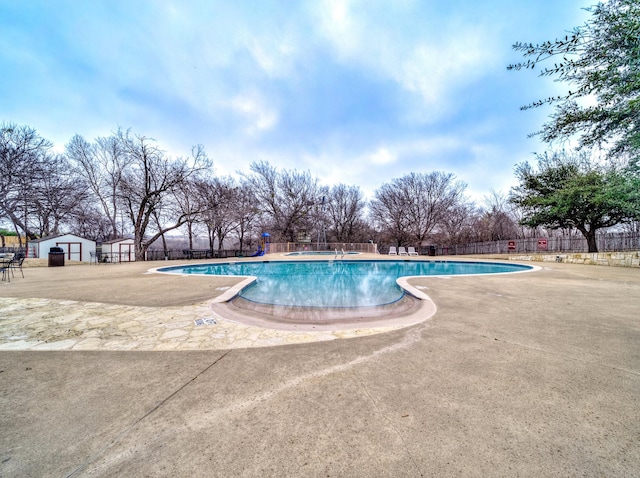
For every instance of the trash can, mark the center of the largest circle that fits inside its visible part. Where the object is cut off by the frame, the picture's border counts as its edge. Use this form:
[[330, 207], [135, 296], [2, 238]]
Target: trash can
[[56, 257], [432, 250]]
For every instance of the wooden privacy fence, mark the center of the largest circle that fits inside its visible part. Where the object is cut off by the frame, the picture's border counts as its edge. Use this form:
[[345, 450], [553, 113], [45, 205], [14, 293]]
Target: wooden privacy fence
[[608, 242]]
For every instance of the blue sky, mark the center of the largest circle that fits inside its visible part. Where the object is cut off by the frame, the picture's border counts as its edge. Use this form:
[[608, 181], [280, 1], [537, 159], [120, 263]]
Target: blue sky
[[356, 92]]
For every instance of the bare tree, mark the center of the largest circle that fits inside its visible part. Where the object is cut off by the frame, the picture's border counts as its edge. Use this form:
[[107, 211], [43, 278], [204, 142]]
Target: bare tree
[[56, 196], [497, 218], [388, 212], [460, 225], [149, 178], [218, 196], [286, 197], [191, 204], [101, 165], [247, 212], [411, 208], [345, 209], [22, 157], [89, 221]]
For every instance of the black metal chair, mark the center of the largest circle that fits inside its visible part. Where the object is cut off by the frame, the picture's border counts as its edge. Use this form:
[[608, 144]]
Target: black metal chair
[[16, 263], [5, 268]]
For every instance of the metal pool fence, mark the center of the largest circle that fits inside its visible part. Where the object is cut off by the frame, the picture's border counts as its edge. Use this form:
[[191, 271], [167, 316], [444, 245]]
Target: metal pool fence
[[188, 254], [284, 247]]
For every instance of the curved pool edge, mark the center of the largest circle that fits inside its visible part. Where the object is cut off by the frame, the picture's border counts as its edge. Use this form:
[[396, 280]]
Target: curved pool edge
[[226, 296], [424, 310], [403, 283], [235, 290]]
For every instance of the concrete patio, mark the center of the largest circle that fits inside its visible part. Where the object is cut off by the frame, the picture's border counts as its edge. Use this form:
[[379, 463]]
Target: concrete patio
[[534, 374]]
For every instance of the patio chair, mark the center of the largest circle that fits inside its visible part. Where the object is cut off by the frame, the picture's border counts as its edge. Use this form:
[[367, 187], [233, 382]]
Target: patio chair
[[392, 251], [402, 251], [411, 251], [16, 263], [5, 268]]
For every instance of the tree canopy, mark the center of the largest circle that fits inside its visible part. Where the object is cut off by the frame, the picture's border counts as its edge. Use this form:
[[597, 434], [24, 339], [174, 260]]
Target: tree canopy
[[600, 61], [569, 190]]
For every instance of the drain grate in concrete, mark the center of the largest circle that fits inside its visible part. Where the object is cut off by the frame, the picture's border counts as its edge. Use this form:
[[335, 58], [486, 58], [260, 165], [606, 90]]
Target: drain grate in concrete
[[205, 321]]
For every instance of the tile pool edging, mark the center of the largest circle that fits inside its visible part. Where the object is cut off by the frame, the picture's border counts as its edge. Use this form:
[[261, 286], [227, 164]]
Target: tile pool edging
[[227, 295], [235, 290], [403, 283]]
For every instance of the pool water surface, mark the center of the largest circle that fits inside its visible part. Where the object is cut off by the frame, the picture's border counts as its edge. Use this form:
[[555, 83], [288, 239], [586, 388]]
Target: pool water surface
[[336, 284]]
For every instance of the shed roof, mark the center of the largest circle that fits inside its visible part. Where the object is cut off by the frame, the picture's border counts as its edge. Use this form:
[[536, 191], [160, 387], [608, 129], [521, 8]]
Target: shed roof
[[48, 238], [113, 241]]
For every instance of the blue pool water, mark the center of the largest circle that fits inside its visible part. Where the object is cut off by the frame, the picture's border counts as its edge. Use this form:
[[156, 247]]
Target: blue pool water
[[335, 283]]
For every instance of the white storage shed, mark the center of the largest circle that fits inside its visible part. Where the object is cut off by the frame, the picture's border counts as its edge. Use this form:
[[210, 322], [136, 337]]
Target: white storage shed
[[75, 248], [119, 250]]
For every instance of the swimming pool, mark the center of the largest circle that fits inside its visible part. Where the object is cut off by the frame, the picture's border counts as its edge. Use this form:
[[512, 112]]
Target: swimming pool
[[336, 284]]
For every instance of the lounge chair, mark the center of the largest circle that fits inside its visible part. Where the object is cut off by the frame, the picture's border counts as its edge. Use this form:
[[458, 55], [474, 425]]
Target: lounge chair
[[402, 251], [392, 251], [411, 251]]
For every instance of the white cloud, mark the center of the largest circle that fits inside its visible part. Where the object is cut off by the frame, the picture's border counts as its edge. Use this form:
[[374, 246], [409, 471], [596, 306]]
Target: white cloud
[[272, 56], [431, 61], [338, 25], [435, 71], [383, 156], [255, 111]]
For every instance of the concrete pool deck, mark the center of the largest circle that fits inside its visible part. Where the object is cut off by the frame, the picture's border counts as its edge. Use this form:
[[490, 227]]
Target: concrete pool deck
[[534, 374]]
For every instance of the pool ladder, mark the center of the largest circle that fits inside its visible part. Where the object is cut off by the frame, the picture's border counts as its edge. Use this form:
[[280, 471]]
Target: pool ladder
[[340, 253]]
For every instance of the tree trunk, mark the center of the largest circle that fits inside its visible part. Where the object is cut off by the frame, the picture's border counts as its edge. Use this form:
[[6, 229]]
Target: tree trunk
[[591, 241], [221, 237], [190, 234], [590, 236], [139, 247], [164, 247], [210, 234]]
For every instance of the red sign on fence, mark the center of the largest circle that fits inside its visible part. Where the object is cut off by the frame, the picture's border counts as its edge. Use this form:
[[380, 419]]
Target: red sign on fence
[[542, 244], [511, 245]]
